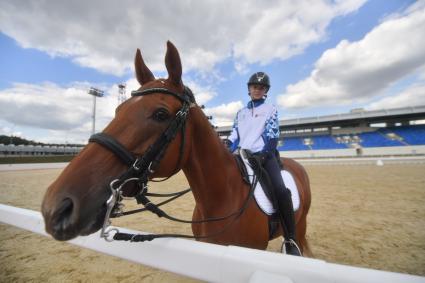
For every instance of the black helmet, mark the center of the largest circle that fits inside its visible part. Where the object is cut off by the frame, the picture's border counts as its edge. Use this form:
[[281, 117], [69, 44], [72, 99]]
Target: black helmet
[[260, 78]]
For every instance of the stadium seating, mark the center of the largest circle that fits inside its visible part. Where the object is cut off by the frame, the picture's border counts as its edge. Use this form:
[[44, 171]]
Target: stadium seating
[[412, 135], [383, 137], [326, 142], [293, 144], [377, 139]]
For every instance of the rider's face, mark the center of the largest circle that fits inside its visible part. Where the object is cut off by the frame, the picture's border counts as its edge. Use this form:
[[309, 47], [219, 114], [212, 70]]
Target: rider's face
[[257, 91]]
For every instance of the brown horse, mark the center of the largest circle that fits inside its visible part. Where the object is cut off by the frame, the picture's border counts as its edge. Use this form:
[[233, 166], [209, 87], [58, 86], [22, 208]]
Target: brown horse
[[75, 203]]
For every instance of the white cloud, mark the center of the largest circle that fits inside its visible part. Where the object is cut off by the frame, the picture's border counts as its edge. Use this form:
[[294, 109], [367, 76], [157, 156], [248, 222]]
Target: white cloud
[[358, 71], [421, 74], [412, 96], [203, 94], [9, 131], [104, 35], [43, 105], [224, 114], [63, 112], [281, 29]]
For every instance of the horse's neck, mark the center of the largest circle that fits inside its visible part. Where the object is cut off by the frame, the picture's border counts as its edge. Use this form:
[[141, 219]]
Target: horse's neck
[[211, 170]]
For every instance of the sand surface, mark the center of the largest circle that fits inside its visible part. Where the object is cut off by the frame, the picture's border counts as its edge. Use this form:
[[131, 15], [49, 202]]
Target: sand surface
[[361, 215]]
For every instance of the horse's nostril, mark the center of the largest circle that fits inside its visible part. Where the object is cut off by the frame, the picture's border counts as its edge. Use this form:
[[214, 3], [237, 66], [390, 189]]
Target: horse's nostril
[[62, 216]]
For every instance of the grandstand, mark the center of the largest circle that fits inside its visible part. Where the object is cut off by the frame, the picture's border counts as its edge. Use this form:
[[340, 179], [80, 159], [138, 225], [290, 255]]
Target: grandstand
[[36, 150], [360, 133]]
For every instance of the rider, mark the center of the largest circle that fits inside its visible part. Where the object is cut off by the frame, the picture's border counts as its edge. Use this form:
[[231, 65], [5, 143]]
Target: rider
[[256, 128]]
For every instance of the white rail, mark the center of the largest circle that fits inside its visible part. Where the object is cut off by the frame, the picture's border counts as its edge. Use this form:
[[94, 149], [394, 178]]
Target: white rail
[[213, 263]]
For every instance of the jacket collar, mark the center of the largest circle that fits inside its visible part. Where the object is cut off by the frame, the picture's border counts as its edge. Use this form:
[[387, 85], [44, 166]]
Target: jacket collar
[[255, 103]]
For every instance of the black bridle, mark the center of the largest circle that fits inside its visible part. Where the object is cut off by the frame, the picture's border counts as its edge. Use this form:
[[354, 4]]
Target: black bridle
[[141, 167]]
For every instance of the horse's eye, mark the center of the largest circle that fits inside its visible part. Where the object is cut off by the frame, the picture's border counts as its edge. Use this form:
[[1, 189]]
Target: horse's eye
[[161, 115]]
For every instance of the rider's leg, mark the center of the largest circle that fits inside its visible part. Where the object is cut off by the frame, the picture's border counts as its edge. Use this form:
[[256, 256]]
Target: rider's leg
[[284, 201]]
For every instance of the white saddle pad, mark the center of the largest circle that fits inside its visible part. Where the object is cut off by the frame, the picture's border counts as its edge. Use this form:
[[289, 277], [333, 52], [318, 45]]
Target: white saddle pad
[[261, 198]]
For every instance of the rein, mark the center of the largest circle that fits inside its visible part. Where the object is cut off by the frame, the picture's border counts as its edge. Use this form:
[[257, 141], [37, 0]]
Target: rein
[[140, 169]]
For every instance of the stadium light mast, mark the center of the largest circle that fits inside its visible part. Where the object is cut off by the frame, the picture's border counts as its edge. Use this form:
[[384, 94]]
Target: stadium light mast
[[121, 93], [95, 93]]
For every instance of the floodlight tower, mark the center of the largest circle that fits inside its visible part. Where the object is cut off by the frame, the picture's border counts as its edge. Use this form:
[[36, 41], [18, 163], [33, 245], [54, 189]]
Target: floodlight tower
[[121, 93], [95, 93]]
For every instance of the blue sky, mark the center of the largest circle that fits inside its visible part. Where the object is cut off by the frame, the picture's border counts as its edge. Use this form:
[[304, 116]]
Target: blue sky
[[323, 57]]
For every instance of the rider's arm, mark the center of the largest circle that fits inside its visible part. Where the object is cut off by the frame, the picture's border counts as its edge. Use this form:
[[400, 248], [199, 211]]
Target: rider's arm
[[271, 133], [234, 136]]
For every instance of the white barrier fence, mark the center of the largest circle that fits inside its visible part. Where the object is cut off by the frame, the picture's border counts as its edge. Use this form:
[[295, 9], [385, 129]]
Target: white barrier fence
[[213, 263], [364, 152]]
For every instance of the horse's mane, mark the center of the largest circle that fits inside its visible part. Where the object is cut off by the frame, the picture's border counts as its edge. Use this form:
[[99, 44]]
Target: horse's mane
[[189, 93]]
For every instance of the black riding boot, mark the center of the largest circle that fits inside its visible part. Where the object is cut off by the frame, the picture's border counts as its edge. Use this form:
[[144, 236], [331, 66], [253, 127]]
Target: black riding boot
[[284, 202], [288, 221]]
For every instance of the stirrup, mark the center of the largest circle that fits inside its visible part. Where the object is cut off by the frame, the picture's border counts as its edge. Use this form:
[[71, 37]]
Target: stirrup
[[291, 242]]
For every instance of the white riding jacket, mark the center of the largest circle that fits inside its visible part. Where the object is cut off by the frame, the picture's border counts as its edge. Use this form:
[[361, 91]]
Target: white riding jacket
[[256, 127]]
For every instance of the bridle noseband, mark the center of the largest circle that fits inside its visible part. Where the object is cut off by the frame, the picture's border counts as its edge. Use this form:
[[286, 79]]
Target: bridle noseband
[[141, 167]]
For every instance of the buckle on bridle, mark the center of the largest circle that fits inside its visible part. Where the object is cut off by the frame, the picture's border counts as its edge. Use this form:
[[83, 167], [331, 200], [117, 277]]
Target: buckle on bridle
[[182, 113], [106, 234], [149, 168], [135, 166]]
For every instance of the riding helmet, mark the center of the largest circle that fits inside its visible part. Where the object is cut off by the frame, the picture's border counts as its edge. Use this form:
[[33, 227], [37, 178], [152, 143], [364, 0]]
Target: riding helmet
[[260, 78]]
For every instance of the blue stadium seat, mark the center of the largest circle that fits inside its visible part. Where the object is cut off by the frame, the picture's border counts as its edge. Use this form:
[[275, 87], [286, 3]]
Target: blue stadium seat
[[326, 142], [293, 144], [377, 139], [412, 135]]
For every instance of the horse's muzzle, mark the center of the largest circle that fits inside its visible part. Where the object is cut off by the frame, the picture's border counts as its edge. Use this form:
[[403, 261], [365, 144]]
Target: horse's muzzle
[[59, 222]]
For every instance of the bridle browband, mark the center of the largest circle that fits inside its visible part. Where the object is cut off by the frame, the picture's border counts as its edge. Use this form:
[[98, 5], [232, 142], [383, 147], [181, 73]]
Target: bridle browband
[[141, 167]]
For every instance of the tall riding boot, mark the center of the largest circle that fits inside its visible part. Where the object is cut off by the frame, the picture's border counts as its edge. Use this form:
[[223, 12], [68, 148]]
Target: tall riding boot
[[288, 222], [282, 196]]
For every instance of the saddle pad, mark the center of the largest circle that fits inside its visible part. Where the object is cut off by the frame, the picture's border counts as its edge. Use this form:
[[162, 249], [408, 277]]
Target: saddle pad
[[261, 198]]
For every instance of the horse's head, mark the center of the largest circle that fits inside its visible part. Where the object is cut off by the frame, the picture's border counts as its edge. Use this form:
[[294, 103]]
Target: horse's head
[[148, 131]]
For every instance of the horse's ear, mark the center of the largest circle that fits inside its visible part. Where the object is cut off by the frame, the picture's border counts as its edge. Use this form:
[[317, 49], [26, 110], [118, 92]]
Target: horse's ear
[[143, 73], [173, 64]]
